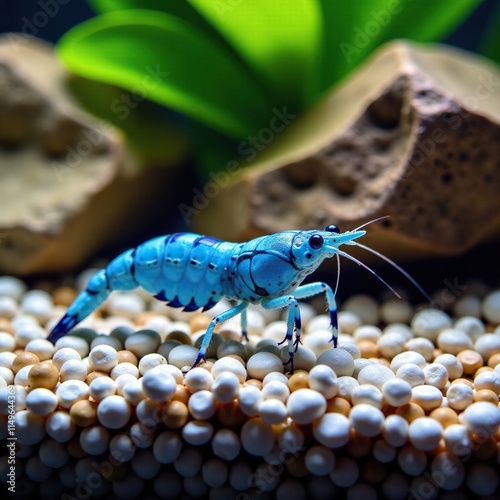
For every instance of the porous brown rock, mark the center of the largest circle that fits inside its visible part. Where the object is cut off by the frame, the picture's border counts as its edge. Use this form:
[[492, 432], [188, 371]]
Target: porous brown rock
[[69, 186], [414, 134]]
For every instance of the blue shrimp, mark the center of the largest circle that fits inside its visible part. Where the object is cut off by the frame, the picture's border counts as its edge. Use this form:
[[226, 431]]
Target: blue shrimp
[[194, 271]]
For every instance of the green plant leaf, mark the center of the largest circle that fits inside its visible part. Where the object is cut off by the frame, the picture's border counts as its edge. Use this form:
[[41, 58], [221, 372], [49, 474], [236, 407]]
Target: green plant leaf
[[161, 56], [352, 32], [490, 45], [279, 38]]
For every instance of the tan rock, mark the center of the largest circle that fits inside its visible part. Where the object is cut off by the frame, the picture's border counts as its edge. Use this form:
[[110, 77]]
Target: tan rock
[[413, 134], [68, 186]]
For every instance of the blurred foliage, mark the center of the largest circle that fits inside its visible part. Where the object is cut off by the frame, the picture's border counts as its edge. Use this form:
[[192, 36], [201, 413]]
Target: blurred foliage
[[227, 64]]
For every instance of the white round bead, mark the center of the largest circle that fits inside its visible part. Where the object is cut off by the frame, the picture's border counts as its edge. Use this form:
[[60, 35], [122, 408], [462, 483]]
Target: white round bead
[[365, 307], [395, 430], [348, 321], [228, 364], [7, 342], [12, 287], [488, 380], [423, 346], [459, 396], [412, 374], [102, 387], [41, 401], [202, 405], [482, 418], [383, 452], [453, 340], [71, 391], [291, 438], [397, 392], [73, 369], [198, 379], [150, 361], [458, 439], [133, 392], [367, 332], [64, 354], [429, 323], [167, 447], [144, 342], [323, 379], [306, 405], [391, 344], [226, 444], [425, 433], [113, 412], [339, 360], [346, 386], [412, 461], [272, 411], [487, 345], [257, 437], [491, 307], [276, 390], [319, 460], [367, 394], [436, 374], [262, 363], [452, 364], [197, 432], [103, 358], [125, 368], [395, 311], [427, 396], [30, 428], [467, 305], [42, 348], [366, 419], [471, 325], [249, 400], [226, 387], [121, 448], [80, 345], [60, 427], [332, 430], [376, 374], [407, 357], [158, 385], [94, 440]]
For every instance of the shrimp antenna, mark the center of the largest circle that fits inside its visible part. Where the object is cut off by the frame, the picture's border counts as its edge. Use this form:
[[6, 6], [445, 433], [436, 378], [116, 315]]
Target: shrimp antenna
[[350, 257], [371, 222], [393, 264], [338, 273]]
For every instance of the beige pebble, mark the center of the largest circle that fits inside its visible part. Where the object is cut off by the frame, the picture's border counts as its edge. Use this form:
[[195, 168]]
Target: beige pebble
[[24, 359], [43, 374]]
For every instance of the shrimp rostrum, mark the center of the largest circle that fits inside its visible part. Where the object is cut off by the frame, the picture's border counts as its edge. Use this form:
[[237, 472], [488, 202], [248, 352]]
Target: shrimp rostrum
[[193, 271]]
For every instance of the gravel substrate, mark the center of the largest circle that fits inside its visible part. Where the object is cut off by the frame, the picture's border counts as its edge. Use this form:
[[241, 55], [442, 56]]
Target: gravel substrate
[[406, 407]]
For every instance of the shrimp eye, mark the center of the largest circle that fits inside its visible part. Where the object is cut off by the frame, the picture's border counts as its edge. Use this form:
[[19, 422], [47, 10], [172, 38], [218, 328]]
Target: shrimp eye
[[316, 241], [332, 228]]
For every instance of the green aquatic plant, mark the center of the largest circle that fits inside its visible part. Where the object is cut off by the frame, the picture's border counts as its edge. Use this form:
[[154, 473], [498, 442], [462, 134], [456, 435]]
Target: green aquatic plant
[[227, 64]]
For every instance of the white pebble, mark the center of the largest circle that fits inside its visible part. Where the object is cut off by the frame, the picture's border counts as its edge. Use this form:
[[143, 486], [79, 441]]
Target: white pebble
[[21, 377], [488, 380], [305, 405], [303, 359], [458, 439], [197, 432], [101, 388], [318, 342], [401, 328], [60, 427], [395, 430], [491, 307], [453, 340], [395, 311], [397, 392], [262, 363], [150, 361], [341, 361], [412, 461], [123, 381], [42, 348], [249, 400], [73, 369], [319, 460], [7, 342], [367, 394], [391, 344], [65, 354], [459, 396], [323, 379], [226, 387], [167, 447], [94, 440], [71, 391], [365, 307], [125, 368], [319, 322], [6, 359], [452, 364], [272, 411], [427, 396], [7, 375], [12, 287], [202, 405], [128, 305], [26, 333], [37, 303], [291, 438], [487, 345], [436, 374], [226, 444], [275, 377], [113, 412], [228, 364], [346, 386], [144, 342], [174, 371], [109, 340], [376, 374], [471, 325], [133, 392], [198, 379], [103, 358], [158, 384], [348, 322], [482, 418], [429, 323], [16, 392], [121, 448], [407, 357], [467, 305], [30, 428], [332, 430], [79, 344], [41, 401], [367, 332], [425, 433], [257, 436], [366, 419], [421, 345], [351, 348], [276, 390]]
